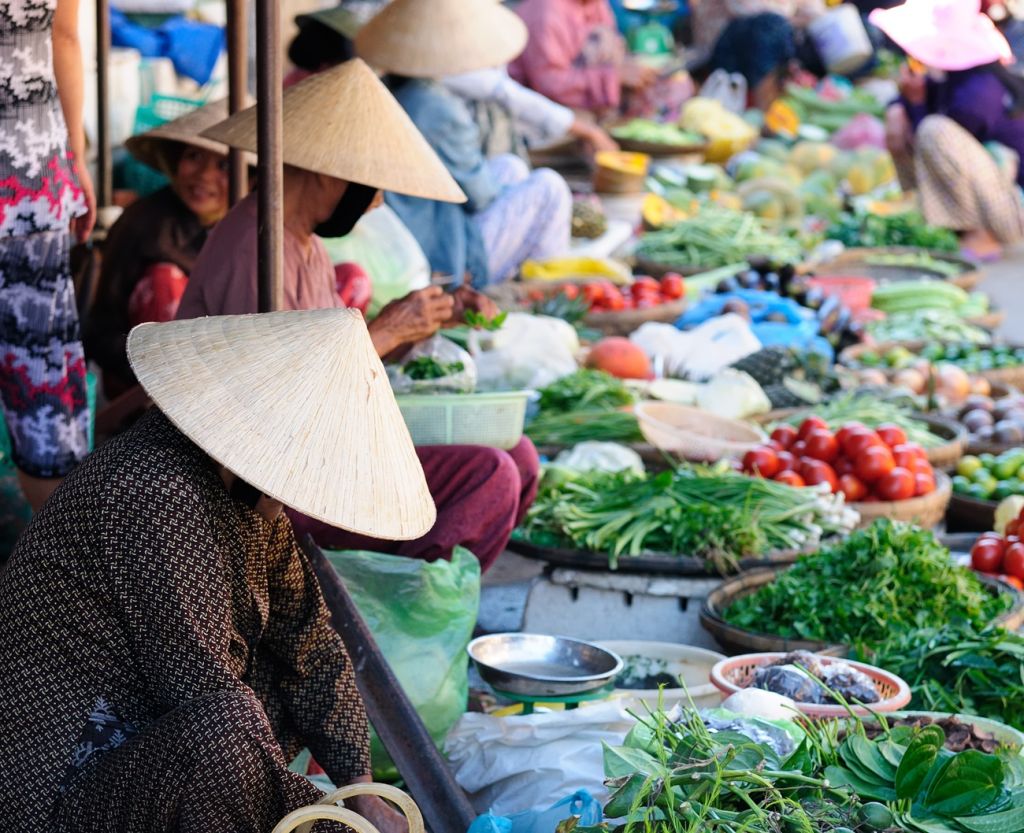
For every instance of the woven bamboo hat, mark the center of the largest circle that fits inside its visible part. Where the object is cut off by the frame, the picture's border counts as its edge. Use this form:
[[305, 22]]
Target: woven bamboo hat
[[298, 405], [151, 148], [434, 38], [344, 123]]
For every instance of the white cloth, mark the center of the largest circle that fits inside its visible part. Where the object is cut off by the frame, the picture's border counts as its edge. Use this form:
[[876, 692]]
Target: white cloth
[[539, 119]]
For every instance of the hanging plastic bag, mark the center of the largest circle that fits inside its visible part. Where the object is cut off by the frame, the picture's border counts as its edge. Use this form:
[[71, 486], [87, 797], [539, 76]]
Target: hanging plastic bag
[[730, 90], [580, 804], [422, 616], [436, 365], [385, 248]]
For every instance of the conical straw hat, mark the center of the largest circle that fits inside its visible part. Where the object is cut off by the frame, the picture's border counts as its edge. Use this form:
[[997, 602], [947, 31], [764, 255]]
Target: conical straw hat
[[298, 405], [150, 147], [344, 123], [434, 38]]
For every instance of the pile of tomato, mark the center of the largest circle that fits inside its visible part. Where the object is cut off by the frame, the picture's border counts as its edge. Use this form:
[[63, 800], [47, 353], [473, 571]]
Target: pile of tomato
[[864, 465], [1002, 555], [644, 293]]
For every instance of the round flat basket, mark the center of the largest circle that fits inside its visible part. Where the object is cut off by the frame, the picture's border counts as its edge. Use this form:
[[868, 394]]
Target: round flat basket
[[694, 434], [490, 419], [858, 261], [925, 511], [992, 320], [1012, 376], [735, 640], [737, 673], [968, 514], [624, 322], [660, 150]]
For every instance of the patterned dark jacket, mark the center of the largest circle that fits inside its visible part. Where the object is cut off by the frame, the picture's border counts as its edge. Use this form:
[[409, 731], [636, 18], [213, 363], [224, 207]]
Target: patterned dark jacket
[[141, 586]]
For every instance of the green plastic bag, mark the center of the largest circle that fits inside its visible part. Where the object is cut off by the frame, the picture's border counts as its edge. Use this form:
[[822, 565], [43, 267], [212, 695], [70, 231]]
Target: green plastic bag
[[422, 615]]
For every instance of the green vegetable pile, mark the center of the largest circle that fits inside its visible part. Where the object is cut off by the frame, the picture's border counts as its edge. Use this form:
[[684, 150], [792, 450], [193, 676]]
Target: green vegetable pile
[[716, 237], [872, 412], [585, 405], [655, 132], [874, 231], [927, 325], [585, 390], [427, 367], [881, 582], [973, 358], [717, 514], [829, 114]]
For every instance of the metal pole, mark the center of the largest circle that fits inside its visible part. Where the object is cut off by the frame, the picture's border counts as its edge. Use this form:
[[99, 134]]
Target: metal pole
[[269, 148], [104, 164], [238, 84]]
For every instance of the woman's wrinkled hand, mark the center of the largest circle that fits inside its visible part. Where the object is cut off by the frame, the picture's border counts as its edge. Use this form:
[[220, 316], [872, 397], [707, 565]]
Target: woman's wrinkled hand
[[413, 318]]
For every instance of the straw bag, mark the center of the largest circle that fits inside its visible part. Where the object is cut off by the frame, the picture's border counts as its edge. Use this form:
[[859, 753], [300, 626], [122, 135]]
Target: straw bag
[[303, 819]]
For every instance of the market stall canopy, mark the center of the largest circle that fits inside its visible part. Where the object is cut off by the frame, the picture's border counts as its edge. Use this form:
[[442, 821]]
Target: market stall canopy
[[344, 123], [434, 38], [151, 147], [298, 405]]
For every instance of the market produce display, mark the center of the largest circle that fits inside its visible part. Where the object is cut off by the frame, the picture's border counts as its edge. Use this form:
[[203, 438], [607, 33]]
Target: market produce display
[[928, 325], [653, 132], [862, 464], [975, 359], [1001, 555], [916, 260], [990, 477], [992, 422], [586, 405], [712, 513], [585, 390], [874, 231], [928, 294], [643, 293], [892, 579], [856, 410]]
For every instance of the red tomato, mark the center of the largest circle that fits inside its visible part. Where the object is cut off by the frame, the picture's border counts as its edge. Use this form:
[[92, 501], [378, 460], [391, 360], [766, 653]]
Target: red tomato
[[785, 435], [924, 467], [762, 460], [1013, 561], [673, 286], [816, 471], [790, 478], [891, 435], [1013, 581], [849, 429], [787, 461], [853, 487], [593, 292], [905, 456], [856, 444], [1013, 527], [774, 444], [843, 466], [874, 462], [822, 445], [987, 555], [810, 424], [615, 303], [571, 291], [1010, 539], [799, 448], [897, 484], [645, 283], [924, 483]]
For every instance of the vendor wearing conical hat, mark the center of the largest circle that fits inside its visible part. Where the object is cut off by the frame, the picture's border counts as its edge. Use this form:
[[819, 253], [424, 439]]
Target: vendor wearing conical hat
[[512, 214], [151, 249], [956, 96], [165, 649], [345, 137]]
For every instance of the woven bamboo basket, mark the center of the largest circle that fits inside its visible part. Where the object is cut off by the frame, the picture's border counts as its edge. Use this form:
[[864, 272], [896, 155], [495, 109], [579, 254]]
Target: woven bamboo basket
[[610, 179], [854, 262], [736, 640], [303, 819], [968, 514], [660, 150], [992, 320], [694, 434], [626, 321], [924, 511], [737, 673]]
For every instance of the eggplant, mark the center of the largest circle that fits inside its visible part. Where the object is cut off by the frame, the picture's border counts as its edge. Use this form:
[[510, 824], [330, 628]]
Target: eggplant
[[750, 280], [813, 298], [772, 282], [828, 311]]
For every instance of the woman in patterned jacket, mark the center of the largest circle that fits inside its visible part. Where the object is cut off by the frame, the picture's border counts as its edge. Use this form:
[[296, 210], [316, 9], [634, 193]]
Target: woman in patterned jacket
[[165, 648], [46, 193]]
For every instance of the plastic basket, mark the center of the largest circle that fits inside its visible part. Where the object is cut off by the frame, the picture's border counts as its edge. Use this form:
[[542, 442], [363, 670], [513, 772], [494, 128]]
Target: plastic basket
[[492, 419], [735, 674]]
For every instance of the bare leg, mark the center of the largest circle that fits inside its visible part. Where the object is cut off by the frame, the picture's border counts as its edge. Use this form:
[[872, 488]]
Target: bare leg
[[981, 243], [37, 490]]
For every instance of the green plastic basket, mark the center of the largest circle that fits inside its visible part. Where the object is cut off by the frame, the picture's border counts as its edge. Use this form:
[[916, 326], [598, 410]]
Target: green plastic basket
[[492, 419]]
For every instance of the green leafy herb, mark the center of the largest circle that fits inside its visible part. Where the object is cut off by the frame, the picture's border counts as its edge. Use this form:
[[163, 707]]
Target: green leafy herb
[[427, 367], [480, 321], [585, 390], [918, 760]]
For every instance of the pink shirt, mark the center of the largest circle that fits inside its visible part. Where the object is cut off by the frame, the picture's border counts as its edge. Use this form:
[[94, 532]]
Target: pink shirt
[[567, 57], [223, 280]]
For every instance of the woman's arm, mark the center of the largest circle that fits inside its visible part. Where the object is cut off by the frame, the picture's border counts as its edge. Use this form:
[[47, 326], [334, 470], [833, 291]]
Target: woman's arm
[[68, 71]]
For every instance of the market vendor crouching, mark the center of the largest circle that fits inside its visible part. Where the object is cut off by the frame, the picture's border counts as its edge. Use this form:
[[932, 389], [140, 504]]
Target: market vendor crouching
[[150, 251], [165, 648], [335, 164]]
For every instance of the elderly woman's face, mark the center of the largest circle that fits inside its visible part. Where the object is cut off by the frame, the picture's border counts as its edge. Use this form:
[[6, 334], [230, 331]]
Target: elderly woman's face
[[201, 182]]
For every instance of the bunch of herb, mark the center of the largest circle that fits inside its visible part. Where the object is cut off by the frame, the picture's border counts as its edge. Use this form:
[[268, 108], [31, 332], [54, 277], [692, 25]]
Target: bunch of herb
[[959, 668], [571, 427], [585, 390], [479, 321], [889, 579], [427, 367]]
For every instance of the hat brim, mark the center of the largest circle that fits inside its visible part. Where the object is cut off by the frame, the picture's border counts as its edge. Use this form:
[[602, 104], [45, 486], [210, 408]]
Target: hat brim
[[973, 45]]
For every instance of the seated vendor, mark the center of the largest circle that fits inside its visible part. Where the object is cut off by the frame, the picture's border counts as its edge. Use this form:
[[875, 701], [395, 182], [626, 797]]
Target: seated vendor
[[151, 249], [576, 56], [334, 166], [512, 214], [165, 648], [957, 99]]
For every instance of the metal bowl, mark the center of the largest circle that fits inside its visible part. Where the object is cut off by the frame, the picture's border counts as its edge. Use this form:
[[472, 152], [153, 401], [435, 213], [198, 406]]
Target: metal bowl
[[535, 665]]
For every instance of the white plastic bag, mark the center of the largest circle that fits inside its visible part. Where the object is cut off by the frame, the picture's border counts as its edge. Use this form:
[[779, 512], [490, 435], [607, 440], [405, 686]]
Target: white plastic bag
[[386, 249], [513, 764], [599, 456], [527, 353], [701, 352], [733, 394], [443, 353], [728, 89]]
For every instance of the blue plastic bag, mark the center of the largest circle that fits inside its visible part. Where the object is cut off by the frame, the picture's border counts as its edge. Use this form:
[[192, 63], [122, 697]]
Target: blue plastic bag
[[193, 47], [581, 803]]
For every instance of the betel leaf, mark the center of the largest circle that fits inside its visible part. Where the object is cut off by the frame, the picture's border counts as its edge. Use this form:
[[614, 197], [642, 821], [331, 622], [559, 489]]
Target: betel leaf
[[966, 784], [636, 791], [1008, 821], [620, 761], [892, 752], [839, 777], [867, 756], [917, 760], [925, 824]]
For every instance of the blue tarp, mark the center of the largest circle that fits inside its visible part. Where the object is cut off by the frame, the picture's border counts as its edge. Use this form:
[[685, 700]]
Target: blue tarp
[[193, 47]]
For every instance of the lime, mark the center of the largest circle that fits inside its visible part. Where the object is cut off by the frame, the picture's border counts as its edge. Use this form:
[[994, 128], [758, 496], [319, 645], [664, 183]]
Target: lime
[[1006, 467], [968, 465], [987, 459], [961, 484], [981, 491], [983, 475], [1005, 488]]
